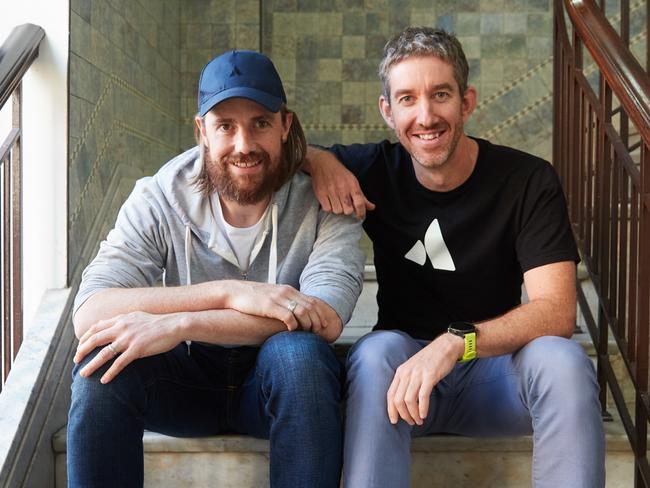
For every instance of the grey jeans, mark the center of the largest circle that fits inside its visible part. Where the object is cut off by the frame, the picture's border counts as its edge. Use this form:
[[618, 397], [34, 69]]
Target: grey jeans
[[548, 388]]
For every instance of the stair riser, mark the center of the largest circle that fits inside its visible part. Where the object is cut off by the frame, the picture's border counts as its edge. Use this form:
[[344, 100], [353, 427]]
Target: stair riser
[[509, 469]]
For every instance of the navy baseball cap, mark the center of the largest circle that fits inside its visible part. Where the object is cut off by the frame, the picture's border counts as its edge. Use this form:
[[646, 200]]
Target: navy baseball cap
[[246, 74]]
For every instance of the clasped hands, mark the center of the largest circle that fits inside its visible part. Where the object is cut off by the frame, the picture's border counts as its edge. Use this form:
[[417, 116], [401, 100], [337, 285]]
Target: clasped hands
[[134, 335], [282, 302]]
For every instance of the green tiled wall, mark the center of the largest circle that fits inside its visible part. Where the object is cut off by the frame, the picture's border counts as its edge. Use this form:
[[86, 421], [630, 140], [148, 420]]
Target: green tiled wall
[[327, 52], [124, 101], [208, 28]]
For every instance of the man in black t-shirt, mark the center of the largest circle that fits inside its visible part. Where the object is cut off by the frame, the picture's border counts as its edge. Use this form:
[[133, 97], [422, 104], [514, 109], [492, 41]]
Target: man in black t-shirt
[[457, 225]]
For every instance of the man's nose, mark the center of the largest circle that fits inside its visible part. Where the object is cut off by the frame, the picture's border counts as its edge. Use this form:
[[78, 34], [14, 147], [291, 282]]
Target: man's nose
[[244, 143], [426, 115]]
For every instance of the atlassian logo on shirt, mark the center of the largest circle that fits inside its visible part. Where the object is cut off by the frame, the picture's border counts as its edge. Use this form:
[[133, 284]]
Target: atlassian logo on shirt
[[434, 246]]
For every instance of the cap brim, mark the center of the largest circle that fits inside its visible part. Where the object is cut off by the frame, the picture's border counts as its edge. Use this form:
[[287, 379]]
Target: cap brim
[[269, 102]]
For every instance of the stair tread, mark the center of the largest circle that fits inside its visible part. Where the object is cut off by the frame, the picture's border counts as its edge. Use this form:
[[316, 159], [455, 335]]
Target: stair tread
[[155, 442]]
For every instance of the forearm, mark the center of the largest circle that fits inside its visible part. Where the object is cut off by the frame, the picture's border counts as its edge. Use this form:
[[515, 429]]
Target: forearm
[[550, 311], [111, 302], [313, 154], [336, 188], [228, 327], [135, 335], [206, 309], [331, 332], [513, 330]]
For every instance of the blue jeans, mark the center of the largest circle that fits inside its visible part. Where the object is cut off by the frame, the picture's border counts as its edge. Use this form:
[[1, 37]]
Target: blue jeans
[[288, 391], [547, 388]]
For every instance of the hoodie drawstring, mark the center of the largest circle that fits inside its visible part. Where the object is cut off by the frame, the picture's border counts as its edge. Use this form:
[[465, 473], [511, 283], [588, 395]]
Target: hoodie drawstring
[[188, 258], [273, 253]]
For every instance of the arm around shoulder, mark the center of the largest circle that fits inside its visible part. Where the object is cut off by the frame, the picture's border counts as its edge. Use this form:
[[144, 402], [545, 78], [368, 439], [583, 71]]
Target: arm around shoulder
[[337, 189]]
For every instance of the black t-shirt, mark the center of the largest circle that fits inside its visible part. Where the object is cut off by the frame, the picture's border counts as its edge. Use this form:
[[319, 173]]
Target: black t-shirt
[[442, 257]]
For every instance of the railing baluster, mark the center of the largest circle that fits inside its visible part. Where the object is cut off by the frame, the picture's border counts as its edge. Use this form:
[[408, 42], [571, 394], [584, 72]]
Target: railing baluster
[[589, 210], [644, 317], [16, 227], [622, 264], [613, 246], [633, 284], [6, 269]]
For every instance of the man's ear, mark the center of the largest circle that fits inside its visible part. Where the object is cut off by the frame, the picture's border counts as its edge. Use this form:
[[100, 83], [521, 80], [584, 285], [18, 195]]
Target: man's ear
[[386, 112], [287, 120], [469, 103], [199, 130]]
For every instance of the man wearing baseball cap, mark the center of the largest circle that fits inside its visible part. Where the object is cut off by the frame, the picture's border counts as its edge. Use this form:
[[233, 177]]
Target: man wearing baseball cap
[[257, 281]]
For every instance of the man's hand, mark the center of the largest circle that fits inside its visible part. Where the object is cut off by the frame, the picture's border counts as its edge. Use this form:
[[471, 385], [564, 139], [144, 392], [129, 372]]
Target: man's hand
[[127, 338], [281, 302], [336, 188], [408, 394]]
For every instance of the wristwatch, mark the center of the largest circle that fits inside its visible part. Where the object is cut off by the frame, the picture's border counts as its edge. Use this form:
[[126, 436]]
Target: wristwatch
[[467, 331]]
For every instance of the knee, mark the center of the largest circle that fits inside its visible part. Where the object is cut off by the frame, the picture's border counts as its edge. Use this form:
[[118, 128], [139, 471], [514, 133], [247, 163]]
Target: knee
[[87, 386], [560, 365], [299, 359], [380, 351], [88, 392]]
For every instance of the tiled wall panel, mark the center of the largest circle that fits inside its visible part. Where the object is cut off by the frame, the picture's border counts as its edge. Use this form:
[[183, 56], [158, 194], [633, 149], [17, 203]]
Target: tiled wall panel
[[124, 102], [328, 52], [209, 28]]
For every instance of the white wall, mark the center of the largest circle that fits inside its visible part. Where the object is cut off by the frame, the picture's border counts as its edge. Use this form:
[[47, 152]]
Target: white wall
[[45, 145]]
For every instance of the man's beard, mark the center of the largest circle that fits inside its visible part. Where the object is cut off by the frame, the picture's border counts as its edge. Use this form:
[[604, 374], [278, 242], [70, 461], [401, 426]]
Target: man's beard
[[244, 189]]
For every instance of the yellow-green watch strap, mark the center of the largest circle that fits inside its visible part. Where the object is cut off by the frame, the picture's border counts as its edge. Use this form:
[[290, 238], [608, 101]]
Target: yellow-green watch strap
[[467, 331], [470, 347]]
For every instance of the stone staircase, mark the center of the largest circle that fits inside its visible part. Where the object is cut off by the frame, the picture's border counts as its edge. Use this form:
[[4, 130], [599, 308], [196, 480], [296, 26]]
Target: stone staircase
[[438, 461]]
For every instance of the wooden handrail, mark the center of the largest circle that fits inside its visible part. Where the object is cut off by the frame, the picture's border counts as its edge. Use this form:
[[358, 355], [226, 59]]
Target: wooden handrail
[[623, 72], [16, 56]]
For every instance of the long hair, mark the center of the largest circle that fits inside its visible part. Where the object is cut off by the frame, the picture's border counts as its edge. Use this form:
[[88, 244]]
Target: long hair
[[293, 155]]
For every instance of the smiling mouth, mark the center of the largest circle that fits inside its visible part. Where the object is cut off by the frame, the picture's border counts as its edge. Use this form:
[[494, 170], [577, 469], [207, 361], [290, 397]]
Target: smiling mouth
[[429, 136], [246, 164]]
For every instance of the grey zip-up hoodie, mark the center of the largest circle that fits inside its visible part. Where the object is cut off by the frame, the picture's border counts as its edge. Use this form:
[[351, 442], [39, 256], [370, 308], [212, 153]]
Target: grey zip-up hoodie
[[166, 227]]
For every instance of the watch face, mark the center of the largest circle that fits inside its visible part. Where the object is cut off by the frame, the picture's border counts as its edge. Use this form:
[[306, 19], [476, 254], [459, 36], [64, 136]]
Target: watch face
[[463, 327]]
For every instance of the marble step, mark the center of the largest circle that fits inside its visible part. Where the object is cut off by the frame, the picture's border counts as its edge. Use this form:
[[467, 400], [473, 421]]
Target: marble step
[[438, 461]]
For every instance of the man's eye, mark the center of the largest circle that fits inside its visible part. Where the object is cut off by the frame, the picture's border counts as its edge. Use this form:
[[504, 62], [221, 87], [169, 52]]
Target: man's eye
[[261, 123], [441, 95], [405, 99], [224, 127]]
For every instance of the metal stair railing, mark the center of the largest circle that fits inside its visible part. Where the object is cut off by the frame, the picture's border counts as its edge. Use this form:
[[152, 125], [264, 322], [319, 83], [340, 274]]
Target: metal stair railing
[[608, 192], [17, 54]]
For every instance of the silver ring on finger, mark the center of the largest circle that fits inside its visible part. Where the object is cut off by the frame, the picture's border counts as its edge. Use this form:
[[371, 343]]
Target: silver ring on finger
[[291, 306], [112, 349]]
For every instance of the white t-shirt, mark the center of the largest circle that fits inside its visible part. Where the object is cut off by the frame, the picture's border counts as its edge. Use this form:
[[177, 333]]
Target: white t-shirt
[[241, 239]]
